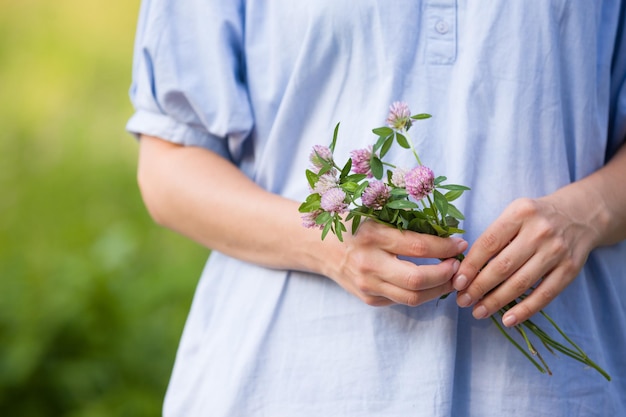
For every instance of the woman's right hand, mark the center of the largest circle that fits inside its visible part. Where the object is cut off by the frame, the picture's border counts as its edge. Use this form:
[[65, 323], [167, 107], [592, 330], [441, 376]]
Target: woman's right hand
[[368, 265], [184, 189]]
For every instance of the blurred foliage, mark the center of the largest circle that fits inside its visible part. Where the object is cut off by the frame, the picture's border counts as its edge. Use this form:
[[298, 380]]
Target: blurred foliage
[[93, 295]]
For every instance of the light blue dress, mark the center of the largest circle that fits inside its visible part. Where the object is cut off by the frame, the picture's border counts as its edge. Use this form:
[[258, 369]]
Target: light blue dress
[[527, 96]]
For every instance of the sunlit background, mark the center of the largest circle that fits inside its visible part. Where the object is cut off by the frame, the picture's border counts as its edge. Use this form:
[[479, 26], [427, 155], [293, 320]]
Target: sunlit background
[[93, 295]]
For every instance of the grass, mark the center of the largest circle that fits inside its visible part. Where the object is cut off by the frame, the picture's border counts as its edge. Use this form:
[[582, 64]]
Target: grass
[[93, 295]]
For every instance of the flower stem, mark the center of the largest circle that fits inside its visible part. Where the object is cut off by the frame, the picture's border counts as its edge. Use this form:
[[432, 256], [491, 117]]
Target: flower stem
[[521, 349]]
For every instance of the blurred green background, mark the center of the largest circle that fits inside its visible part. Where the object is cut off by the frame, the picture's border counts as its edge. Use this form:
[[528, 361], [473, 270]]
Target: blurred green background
[[93, 295]]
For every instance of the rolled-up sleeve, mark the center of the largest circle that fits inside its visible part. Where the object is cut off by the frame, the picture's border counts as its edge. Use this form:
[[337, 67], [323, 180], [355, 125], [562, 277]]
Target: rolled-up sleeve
[[188, 75]]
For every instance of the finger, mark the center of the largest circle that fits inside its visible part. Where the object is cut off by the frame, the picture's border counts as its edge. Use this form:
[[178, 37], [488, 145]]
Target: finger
[[549, 287], [422, 277], [414, 298], [401, 281], [489, 243], [419, 245], [516, 285], [501, 267]]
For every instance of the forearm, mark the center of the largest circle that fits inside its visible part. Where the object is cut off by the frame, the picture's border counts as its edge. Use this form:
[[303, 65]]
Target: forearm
[[203, 196], [600, 201]]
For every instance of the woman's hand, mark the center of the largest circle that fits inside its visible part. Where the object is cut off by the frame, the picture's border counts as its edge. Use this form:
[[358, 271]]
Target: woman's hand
[[367, 265], [544, 243], [184, 189], [540, 242]]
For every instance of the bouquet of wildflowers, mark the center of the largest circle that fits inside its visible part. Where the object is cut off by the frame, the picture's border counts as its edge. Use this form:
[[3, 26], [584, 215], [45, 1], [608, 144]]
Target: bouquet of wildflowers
[[408, 199], [414, 199]]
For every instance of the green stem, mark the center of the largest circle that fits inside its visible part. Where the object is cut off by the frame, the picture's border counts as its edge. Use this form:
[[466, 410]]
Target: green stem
[[521, 349], [408, 139]]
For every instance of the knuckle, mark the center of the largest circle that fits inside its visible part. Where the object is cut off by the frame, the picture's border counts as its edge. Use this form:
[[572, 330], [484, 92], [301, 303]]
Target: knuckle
[[559, 247], [521, 283], [367, 234], [360, 263], [363, 285], [412, 299], [478, 289], [545, 294], [545, 229], [375, 301], [413, 281], [503, 265], [525, 207], [418, 247], [490, 242], [570, 267]]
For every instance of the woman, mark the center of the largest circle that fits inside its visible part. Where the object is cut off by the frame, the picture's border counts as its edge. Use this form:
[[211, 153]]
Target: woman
[[529, 105]]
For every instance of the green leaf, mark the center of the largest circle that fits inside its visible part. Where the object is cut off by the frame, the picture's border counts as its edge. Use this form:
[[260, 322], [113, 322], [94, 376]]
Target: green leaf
[[386, 146], [451, 221], [402, 141], [441, 203], [355, 178], [442, 232], [383, 131], [454, 230], [334, 142], [440, 179], [454, 212], [346, 169], [350, 187], [399, 192], [360, 189], [326, 229], [384, 215], [377, 167], [326, 167], [339, 228], [323, 217], [415, 214], [312, 178], [421, 116], [356, 221], [311, 203], [453, 195], [402, 205], [428, 211], [421, 226], [379, 143], [455, 187]]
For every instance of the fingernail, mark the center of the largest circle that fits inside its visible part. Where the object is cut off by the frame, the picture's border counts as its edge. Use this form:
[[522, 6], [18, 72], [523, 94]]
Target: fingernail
[[460, 283], [464, 300], [480, 312], [455, 266], [461, 244], [509, 320]]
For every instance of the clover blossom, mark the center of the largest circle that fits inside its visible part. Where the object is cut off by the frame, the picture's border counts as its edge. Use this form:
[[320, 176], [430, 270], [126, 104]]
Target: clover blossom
[[308, 220], [333, 201], [326, 182], [319, 154], [397, 177], [361, 161], [420, 182], [376, 195], [399, 116]]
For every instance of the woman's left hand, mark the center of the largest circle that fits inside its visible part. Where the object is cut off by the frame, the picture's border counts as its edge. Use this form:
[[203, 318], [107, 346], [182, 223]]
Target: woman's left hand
[[541, 243]]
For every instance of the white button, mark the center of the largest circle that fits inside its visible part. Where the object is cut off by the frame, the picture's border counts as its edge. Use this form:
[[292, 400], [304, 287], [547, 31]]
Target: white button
[[442, 27]]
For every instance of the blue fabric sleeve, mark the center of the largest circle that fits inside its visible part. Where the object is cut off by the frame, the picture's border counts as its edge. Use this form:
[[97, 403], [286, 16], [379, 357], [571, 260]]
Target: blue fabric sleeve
[[188, 85], [617, 126]]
